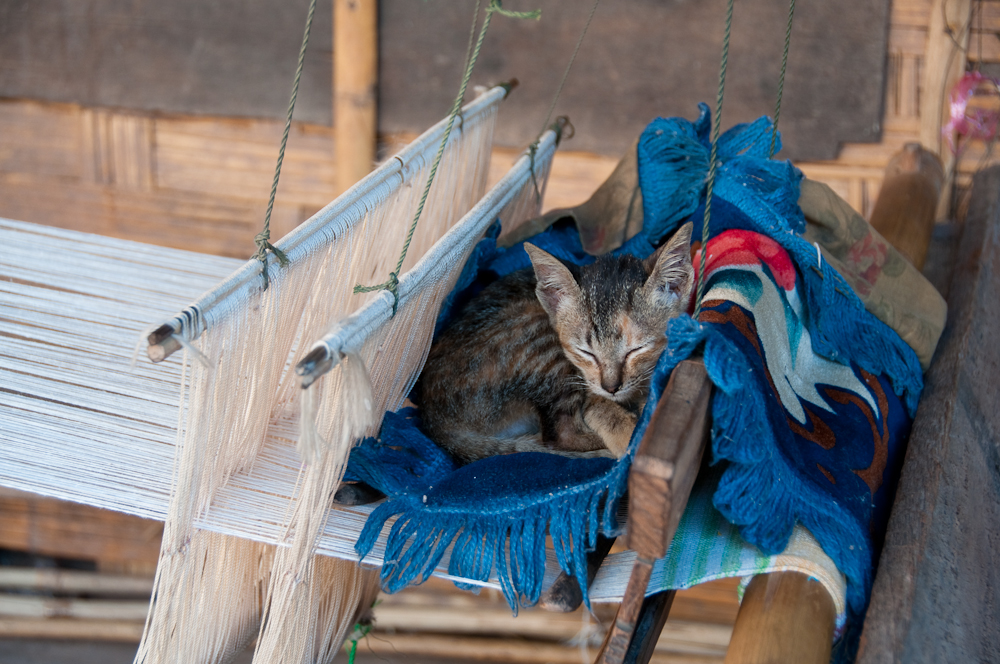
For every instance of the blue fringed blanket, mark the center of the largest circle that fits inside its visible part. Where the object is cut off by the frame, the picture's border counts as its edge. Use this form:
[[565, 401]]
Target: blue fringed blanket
[[813, 395]]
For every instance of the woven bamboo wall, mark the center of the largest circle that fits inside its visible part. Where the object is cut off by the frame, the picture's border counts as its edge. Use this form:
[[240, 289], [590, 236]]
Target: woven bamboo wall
[[201, 183]]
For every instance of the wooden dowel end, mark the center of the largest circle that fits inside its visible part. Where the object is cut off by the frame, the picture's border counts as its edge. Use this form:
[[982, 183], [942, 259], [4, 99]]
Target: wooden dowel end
[[785, 618]]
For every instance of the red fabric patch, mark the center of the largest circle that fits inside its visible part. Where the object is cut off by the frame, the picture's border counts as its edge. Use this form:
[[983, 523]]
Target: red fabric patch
[[737, 247]]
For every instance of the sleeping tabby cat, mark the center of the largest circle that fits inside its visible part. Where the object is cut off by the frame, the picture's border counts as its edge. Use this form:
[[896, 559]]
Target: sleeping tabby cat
[[556, 359]]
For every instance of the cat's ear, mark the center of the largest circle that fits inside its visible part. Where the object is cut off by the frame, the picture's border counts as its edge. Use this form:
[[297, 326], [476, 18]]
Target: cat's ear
[[671, 274], [556, 288]]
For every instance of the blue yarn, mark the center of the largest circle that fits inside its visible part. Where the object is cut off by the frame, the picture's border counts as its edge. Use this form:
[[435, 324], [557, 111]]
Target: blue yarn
[[517, 497], [495, 512]]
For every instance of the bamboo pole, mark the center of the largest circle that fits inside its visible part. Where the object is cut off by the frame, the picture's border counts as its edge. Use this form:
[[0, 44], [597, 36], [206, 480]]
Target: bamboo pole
[[127, 631], [355, 79], [71, 581], [944, 64]]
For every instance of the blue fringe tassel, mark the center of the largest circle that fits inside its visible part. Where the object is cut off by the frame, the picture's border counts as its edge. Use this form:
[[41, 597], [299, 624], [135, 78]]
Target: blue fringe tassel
[[575, 499]]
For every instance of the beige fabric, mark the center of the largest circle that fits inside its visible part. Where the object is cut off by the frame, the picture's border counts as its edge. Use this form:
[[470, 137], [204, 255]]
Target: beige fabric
[[612, 215], [892, 289]]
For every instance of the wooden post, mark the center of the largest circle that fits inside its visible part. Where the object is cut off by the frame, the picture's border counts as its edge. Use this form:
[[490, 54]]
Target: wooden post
[[944, 64], [905, 211], [355, 86], [785, 618]]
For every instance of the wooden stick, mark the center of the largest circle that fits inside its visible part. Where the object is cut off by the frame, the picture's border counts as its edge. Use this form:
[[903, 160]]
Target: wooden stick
[[652, 617], [162, 343], [786, 617], [660, 482], [905, 210], [617, 643], [355, 82]]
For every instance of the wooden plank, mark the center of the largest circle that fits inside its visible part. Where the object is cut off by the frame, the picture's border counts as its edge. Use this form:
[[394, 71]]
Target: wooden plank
[[933, 598], [785, 618], [193, 155], [127, 631], [51, 527], [28, 606], [667, 460], [907, 40], [911, 12], [41, 139], [51, 579], [660, 481]]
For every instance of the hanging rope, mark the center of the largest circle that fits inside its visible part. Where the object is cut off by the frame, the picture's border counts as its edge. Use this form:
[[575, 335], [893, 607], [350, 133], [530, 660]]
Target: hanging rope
[[263, 239], [716, 122], [781, 77], [533, 148], [392, 284], [569, 66]]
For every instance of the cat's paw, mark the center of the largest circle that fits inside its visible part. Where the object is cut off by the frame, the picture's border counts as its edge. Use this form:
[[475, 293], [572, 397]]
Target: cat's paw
[[595, 454], [612, 423]]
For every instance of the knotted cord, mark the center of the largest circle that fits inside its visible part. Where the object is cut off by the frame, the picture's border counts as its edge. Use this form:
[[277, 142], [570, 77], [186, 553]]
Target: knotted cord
[[494, 7], [263, 239], [781, 77]]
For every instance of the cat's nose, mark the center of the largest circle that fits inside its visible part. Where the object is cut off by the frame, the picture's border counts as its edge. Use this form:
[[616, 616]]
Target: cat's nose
[[611, 384]]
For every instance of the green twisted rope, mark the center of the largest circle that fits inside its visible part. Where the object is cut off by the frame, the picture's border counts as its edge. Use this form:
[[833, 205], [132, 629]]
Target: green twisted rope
[[717, 122], [360, 631], [263, 239], [781, 78], [494, 7]]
